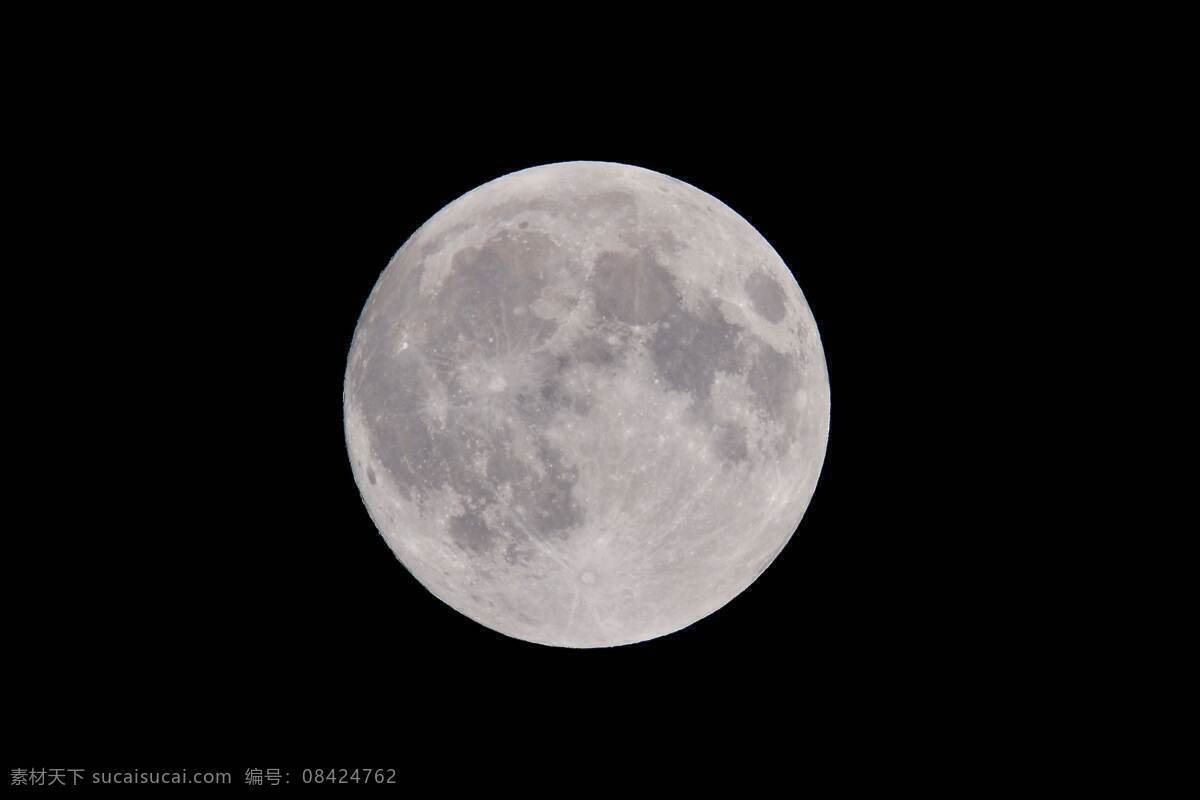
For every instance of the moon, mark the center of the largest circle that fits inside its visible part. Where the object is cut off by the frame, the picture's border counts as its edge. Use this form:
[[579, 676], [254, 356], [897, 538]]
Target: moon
[[586, 404]]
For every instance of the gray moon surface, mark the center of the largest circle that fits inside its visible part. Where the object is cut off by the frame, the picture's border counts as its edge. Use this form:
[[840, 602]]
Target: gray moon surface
[[586, 404]]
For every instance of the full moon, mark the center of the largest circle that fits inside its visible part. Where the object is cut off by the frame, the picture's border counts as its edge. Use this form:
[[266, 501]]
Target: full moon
[[586, 404]]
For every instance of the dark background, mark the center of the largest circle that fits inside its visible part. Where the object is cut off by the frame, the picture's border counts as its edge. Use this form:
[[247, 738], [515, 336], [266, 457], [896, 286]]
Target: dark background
[[195, 571], [196, 210]]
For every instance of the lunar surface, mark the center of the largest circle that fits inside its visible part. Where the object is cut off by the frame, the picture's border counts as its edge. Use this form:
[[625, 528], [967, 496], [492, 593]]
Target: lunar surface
[[586, 404]]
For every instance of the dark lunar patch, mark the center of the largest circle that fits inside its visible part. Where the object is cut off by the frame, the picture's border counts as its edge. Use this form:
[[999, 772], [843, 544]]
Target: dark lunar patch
[[595, 350], [543, 397], [503, 468], [487, 284], [606, 345], [556, 399], [729, 443], [371, 475], [767, 297], [550, 505], [390, 403], [774, 380], [471, 532], [688, 349], [582, 404], [632, 288], [475, 304], [419, 458], [548, 395], [518, 552]]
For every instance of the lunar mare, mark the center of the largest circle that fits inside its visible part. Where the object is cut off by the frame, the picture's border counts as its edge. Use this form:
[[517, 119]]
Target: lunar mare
[[586, 404]]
